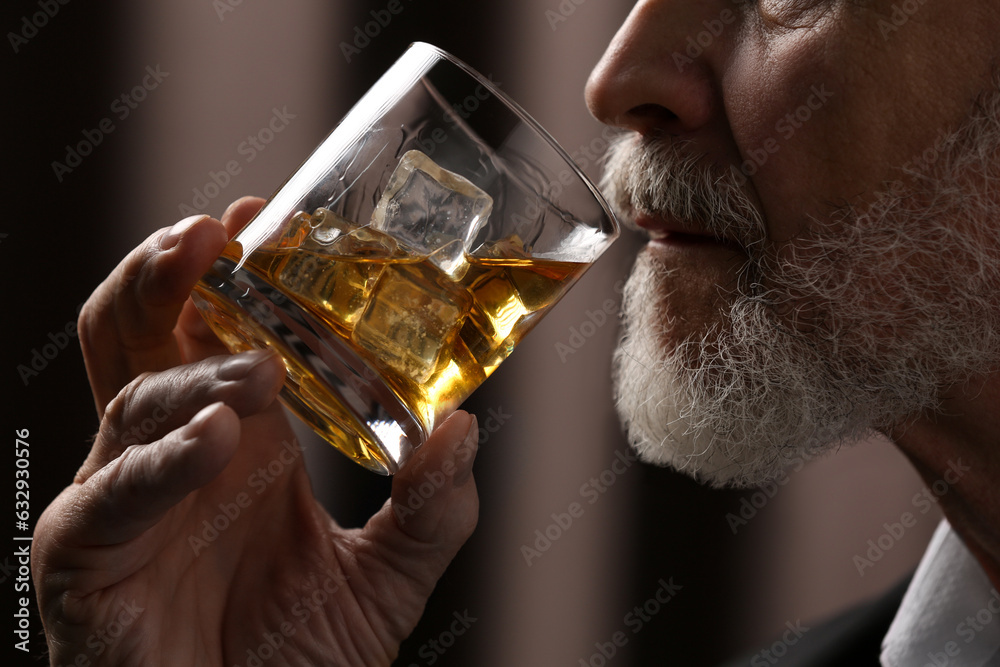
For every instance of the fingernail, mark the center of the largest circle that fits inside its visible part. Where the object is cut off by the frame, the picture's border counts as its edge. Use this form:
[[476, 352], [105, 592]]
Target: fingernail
[[173, 235], [239, 366], [232, 207], [465, 453], [198, 421]]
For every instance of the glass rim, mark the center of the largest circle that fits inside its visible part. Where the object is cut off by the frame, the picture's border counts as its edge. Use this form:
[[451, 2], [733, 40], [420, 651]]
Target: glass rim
[[525, 117]]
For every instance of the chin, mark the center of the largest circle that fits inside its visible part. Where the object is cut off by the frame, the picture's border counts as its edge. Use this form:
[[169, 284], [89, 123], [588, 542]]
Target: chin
[[730, 400]]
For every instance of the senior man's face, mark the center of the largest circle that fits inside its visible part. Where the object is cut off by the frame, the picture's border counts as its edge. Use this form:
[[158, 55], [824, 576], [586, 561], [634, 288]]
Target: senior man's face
[[819, 180]]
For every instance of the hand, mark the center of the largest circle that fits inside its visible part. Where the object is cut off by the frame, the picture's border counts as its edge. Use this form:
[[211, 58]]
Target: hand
[[191, 536]]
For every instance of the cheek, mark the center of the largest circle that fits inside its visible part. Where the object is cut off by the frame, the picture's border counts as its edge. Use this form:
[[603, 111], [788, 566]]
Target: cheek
[[825, 116], [790, 115]]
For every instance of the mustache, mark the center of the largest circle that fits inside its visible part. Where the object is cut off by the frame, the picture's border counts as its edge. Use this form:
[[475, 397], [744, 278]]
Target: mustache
[[668, 179]]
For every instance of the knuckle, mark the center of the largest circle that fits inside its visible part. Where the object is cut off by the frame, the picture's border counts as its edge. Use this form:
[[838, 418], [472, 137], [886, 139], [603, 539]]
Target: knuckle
[[130, 453], [186, 384], [122, 408], [102, 307], [87, 321], [112, 477], [149, 405]]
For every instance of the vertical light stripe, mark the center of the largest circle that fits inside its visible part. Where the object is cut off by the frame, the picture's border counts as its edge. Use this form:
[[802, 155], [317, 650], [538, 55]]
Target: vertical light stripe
[[228, 73], [235, 78], [576, 592]]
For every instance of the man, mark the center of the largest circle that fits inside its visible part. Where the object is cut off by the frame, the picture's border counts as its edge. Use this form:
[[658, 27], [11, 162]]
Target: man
[[817, 179], [819, 182]]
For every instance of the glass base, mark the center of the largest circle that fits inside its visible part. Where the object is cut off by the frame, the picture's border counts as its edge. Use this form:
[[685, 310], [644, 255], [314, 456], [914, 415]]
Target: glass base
[[328, 385]]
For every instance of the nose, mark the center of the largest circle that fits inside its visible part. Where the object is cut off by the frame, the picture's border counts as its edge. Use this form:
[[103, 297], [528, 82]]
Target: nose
[[656, 77]]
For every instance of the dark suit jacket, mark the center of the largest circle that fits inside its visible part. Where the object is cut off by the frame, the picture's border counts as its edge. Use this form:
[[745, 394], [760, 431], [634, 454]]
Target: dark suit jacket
[[852, 639]]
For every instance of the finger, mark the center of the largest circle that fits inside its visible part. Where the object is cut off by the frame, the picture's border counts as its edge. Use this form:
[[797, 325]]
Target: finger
[[434, 505], [240, 212], [197, 339], [126, 327], [153, 405], [444, 464], [131, 494]]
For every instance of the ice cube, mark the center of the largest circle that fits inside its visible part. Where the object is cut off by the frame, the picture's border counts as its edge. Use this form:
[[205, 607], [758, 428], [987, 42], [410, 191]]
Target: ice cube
[[368, 244], [338, 289], [427, 207], [511, 247], [337, 277], [295, 232], [412, 316], [328, 226], [450, 258], [498, 311]]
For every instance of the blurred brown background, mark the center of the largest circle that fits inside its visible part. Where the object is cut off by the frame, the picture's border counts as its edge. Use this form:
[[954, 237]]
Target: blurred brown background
[[225, 68]]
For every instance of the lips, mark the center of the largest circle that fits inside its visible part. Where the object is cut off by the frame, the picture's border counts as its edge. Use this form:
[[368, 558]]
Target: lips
[[662, 230]]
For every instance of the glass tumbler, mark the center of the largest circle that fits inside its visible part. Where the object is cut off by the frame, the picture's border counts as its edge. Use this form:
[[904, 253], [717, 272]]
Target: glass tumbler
[[407, 256]]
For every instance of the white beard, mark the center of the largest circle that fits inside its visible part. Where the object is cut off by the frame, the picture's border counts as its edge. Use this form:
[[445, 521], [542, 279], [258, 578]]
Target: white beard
[[893, 305]]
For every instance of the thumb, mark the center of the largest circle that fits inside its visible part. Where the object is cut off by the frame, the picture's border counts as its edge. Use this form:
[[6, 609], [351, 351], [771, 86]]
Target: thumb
[[434, 504]]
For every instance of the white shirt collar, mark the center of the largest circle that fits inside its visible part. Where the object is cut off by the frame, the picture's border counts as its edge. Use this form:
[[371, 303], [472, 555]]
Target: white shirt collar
[[950, 615]]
